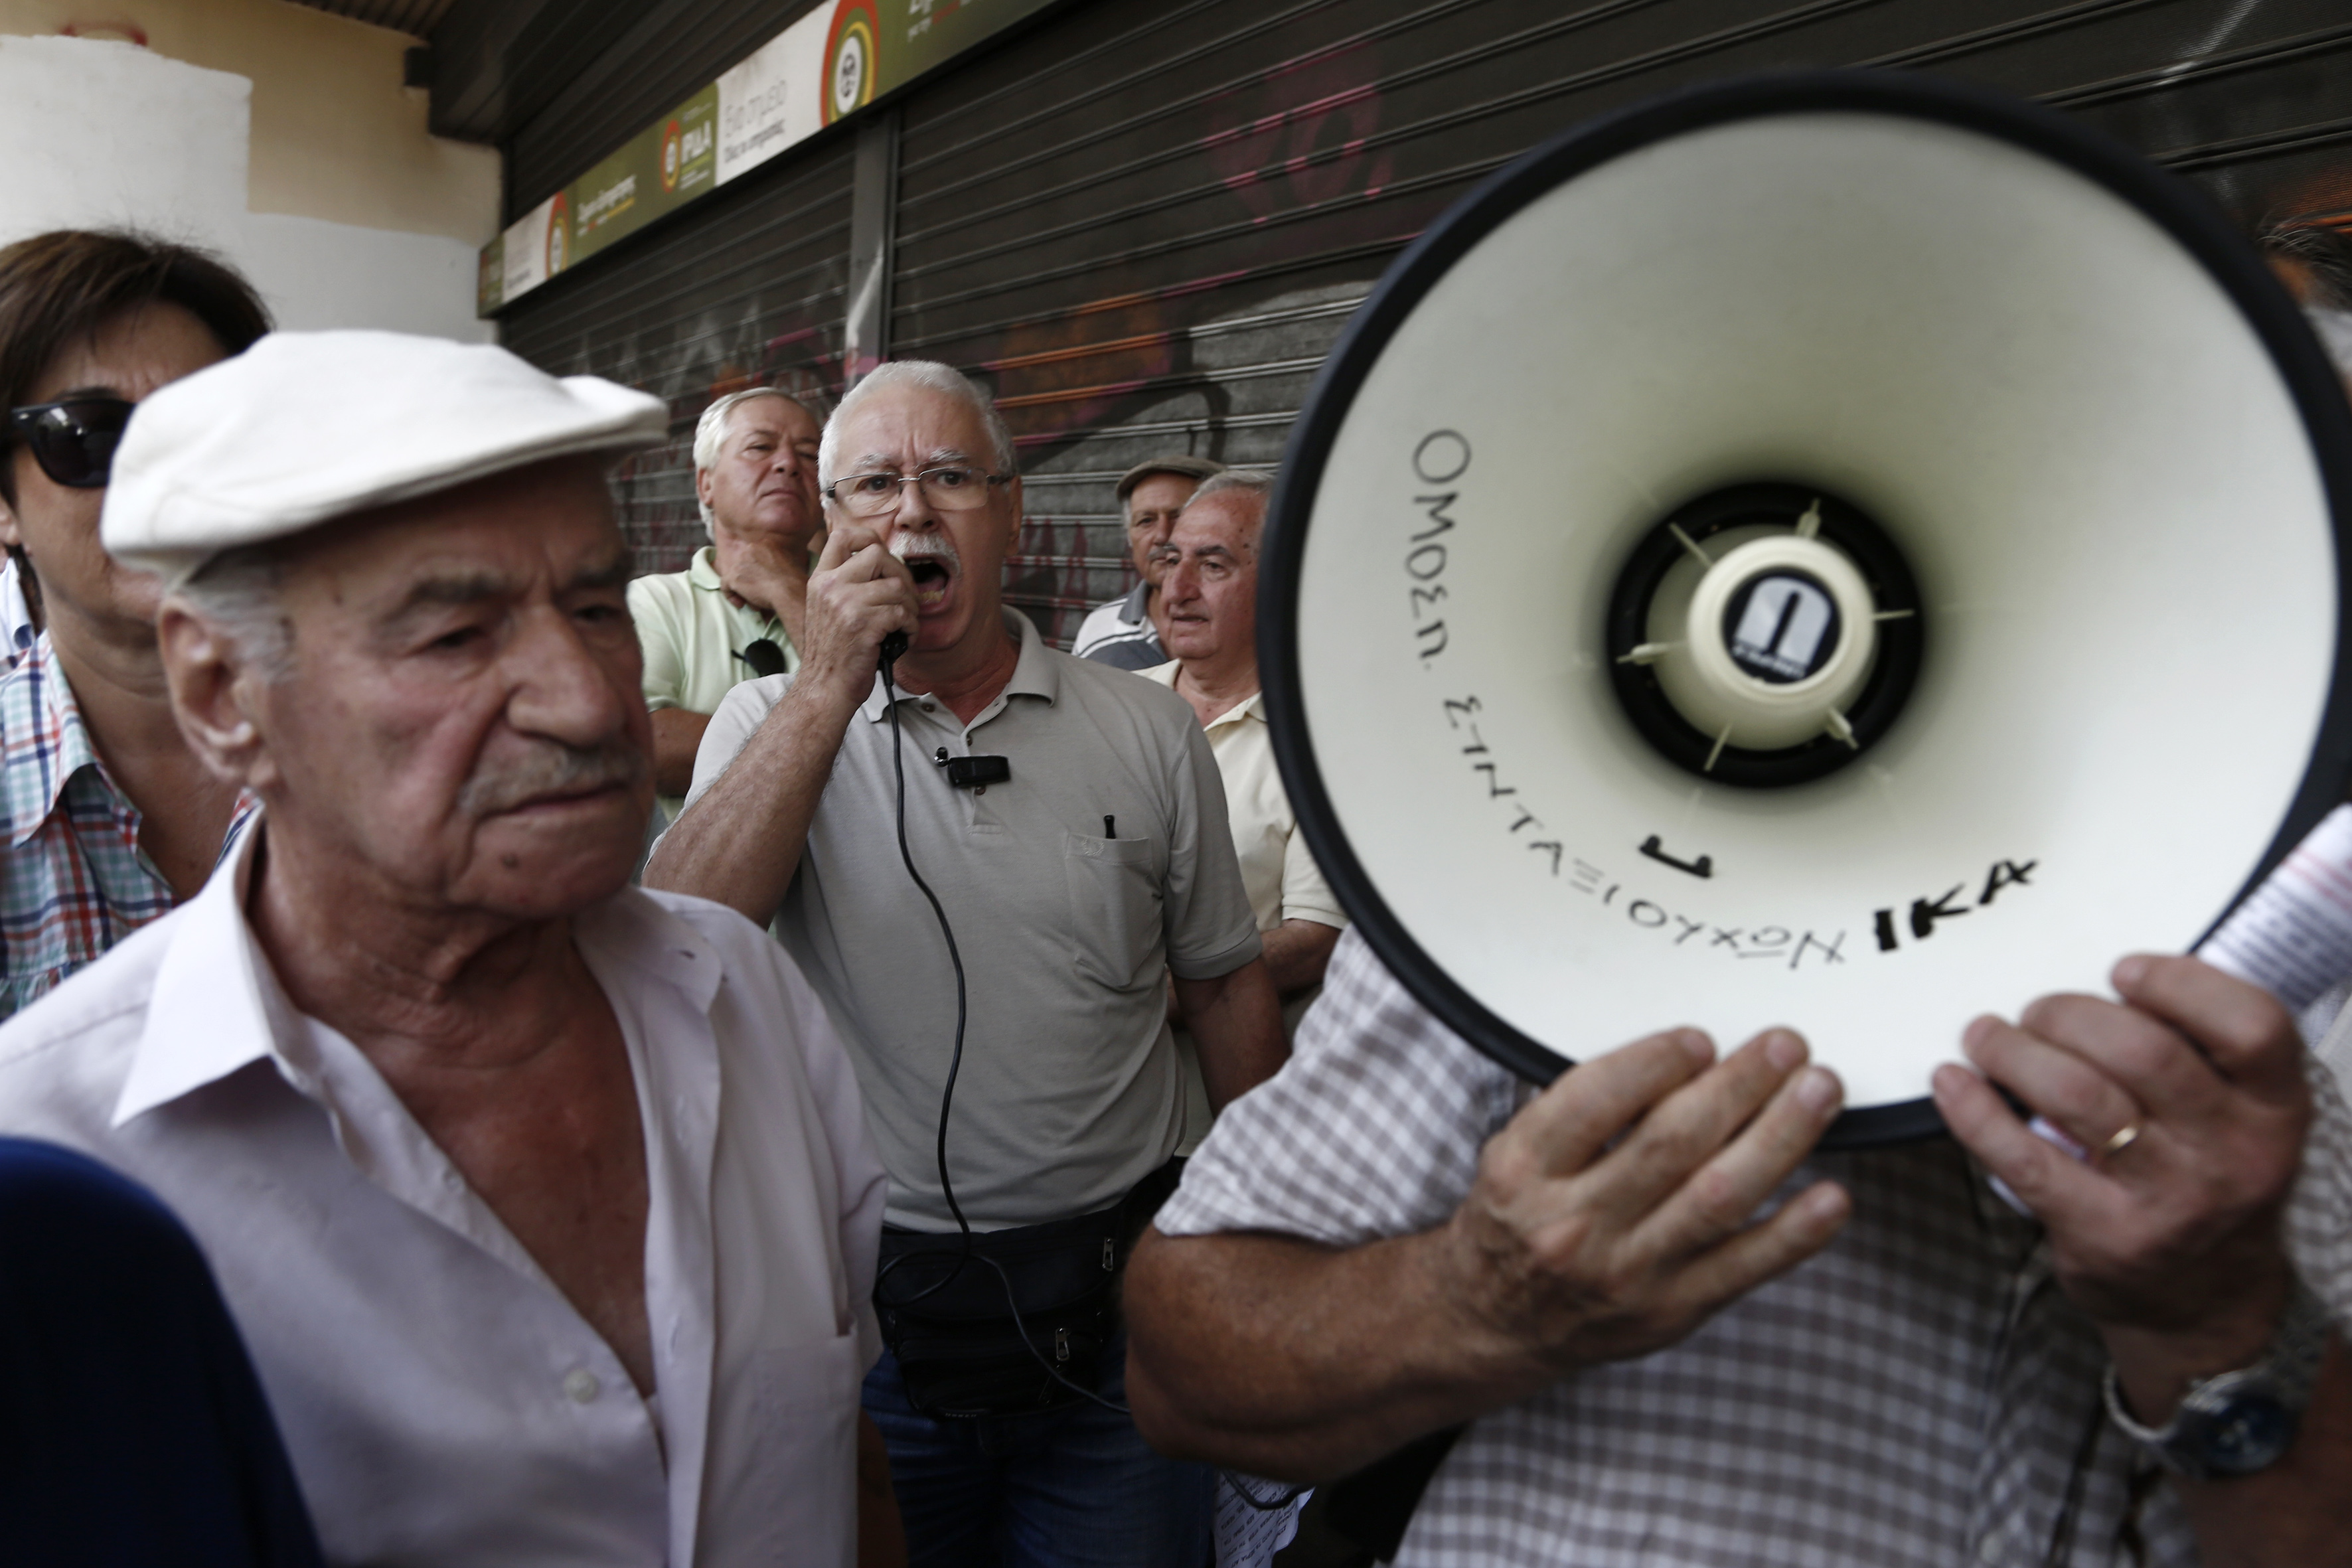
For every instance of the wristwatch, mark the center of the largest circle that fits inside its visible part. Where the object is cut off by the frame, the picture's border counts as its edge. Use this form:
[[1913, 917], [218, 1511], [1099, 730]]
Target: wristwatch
[[2238, 1421]]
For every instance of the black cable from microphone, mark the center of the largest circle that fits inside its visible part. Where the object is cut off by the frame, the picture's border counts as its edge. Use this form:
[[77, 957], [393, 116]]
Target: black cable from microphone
[[893, 646]]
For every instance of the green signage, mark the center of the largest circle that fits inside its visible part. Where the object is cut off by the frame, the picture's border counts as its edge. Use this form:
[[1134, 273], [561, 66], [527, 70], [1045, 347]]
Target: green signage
[[825, 68]]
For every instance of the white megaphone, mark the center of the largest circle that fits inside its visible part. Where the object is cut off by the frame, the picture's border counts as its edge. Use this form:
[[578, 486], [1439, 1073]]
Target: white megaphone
[[1842, 550]]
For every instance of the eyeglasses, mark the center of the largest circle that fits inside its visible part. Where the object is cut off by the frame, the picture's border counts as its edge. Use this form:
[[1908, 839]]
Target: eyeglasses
[[946, 488], [73, 441]]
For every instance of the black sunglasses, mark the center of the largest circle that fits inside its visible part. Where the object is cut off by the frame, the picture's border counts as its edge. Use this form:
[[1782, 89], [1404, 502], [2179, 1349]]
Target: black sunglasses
[[74, 440]]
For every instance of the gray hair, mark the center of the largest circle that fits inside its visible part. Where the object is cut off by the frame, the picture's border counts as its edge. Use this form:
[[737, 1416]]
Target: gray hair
[[711, 430], [240, 595], [932, 376], [1258, 485]]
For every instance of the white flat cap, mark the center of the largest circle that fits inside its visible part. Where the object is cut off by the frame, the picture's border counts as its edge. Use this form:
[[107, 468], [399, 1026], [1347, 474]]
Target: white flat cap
[[303, 426]]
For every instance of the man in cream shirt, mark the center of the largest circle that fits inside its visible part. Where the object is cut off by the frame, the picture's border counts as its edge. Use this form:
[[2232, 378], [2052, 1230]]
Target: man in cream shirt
[[545, 1204], [1208, 572], [1209, 579]]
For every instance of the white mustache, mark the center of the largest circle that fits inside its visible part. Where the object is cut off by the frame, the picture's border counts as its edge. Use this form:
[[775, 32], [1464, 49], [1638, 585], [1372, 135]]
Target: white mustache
[[550, 769], [936, 547]]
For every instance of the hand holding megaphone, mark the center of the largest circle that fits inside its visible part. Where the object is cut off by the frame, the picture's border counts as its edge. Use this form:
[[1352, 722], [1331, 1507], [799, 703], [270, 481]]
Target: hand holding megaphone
[[2292, 937], [2186, 1106]]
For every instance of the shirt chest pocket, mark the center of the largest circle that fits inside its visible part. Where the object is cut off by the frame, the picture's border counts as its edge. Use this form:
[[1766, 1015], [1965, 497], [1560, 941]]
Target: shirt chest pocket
[[1115, 904]]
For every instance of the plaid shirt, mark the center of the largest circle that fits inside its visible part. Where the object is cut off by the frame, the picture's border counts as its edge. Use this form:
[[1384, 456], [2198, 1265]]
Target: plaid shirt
[[1919, 1396], [73, 881]]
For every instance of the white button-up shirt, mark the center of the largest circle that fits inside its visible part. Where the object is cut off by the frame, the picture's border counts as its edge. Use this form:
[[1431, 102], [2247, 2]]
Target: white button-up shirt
[[441, 1399]]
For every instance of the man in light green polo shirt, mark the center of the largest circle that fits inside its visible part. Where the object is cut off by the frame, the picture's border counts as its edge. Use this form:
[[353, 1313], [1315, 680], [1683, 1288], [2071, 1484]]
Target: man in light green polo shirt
[[701, 629]]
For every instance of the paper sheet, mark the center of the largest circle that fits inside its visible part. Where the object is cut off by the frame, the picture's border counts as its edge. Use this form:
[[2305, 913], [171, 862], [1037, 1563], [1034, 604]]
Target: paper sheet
[[2293, 936], [1248, 1537]]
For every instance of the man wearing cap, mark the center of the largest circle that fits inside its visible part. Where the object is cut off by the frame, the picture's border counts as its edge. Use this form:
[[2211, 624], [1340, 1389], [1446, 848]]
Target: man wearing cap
[[545, 1203], [1126, 631], [735, 612]]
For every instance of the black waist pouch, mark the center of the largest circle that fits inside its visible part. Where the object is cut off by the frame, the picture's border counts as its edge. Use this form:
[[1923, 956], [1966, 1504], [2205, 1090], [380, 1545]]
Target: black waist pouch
[[948, 1315]]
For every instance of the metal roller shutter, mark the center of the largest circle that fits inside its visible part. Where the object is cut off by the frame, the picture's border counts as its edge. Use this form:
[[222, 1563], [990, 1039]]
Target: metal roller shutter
[[1144, 226], [750, 287], [655, 55]]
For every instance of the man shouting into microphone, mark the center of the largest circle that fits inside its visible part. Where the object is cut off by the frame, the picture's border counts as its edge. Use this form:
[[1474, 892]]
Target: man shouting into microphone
[[1670, 1332], [1070, 820]]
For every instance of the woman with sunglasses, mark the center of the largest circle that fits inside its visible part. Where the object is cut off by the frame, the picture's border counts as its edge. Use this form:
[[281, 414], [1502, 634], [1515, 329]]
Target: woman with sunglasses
[[109, 819]]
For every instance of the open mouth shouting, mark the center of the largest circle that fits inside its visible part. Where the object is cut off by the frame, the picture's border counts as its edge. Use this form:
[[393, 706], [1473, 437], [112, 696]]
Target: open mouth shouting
[[932, 561]]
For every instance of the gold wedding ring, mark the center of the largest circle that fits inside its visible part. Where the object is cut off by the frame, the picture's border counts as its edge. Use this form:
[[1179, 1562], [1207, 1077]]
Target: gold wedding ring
[[2124, 1137]]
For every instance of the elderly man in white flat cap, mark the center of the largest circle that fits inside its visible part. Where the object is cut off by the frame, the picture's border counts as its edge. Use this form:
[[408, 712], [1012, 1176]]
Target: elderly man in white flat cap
[[546, 1204]]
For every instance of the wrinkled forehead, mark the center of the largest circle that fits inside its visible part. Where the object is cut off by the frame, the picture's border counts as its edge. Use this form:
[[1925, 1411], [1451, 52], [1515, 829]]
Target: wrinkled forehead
[[1229, 519], [777, 415], [531, 531], [907, 427]]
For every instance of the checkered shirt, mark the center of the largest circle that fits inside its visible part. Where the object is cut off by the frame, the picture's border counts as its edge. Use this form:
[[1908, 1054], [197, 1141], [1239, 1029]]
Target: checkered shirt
[[1921, 1394], [73, 881]]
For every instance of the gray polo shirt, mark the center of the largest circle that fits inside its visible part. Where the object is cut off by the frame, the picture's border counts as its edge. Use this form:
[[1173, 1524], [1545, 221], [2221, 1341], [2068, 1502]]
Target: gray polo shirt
[[1069, 1092]]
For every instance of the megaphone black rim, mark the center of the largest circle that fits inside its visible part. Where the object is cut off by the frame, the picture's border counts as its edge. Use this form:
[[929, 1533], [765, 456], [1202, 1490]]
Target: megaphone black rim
[[2180, 209]]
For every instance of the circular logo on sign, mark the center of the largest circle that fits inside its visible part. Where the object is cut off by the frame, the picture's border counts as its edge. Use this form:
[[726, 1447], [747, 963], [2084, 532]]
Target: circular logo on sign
[[851, 60], [558, 235], [670, 156]]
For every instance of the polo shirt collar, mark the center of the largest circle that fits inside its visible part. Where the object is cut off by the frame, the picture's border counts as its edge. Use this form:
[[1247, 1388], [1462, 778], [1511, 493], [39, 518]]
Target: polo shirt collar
[[1255, 708], [1136, 604], [1033, 674], [46, 743], [702, 572]]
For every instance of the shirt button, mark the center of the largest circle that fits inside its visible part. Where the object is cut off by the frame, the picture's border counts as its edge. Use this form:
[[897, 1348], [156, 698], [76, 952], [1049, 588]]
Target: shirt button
[[980, 789], [580, 1386], [929, 706], [453, 1181]]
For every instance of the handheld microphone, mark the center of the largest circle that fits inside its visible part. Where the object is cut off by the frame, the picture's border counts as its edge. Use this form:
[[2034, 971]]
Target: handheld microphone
[[893, 646]]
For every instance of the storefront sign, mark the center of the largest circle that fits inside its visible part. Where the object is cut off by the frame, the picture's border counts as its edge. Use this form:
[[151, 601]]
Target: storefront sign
[[825, 68]]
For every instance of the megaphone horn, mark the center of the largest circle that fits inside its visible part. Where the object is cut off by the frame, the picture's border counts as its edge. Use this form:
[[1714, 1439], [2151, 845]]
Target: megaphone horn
[[1844, 549]]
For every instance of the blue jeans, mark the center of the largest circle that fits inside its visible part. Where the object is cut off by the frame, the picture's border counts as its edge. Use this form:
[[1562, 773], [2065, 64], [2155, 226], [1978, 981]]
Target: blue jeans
[[1076, 1488]]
